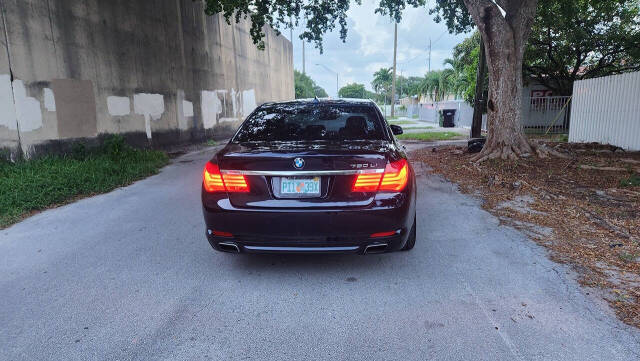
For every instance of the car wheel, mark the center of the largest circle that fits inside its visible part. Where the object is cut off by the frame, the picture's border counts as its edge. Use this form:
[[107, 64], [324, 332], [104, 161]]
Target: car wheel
[[411, 241]]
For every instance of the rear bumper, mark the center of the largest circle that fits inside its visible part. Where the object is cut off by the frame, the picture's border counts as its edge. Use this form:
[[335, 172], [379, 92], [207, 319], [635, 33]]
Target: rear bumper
[[311, 230]]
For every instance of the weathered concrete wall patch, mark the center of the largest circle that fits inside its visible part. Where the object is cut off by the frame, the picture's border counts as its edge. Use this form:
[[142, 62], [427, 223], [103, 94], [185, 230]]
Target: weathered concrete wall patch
[[118, 106], [151, 106], [234, 102], [75, 108], [49, 100], [211, 107], [28, 109], [248, 102], [187, 108], [7, 108]]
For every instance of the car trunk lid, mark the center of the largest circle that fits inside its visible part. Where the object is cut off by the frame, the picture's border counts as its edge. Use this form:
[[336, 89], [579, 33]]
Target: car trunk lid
[[268, 167]]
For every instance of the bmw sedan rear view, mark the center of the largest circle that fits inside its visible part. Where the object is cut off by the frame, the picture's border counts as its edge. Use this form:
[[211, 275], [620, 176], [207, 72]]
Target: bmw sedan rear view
[[311, 176]]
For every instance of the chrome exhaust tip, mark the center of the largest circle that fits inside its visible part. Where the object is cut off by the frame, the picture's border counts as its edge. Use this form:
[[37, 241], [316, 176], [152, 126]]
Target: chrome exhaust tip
[[375, 248], [229, 247]]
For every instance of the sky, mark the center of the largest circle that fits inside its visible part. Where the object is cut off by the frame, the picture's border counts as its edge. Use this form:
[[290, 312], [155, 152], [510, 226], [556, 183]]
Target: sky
[[369, 47]]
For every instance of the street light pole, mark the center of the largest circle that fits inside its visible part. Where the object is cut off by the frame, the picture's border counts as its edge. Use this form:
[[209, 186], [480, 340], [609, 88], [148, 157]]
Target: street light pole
[[332, 71], [393, 81]]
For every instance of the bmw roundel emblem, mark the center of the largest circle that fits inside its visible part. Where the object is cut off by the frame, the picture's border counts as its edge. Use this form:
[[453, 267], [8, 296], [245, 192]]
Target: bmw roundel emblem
[[298, 163]]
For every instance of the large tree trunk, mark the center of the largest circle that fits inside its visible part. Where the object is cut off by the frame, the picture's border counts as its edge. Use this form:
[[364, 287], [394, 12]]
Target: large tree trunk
[[504, 38]]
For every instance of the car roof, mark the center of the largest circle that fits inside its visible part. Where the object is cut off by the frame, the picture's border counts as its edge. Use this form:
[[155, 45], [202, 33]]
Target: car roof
[[324, 101]]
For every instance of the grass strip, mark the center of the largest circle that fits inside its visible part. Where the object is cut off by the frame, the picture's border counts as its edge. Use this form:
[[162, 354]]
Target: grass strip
[[429, 136], [32, 185]]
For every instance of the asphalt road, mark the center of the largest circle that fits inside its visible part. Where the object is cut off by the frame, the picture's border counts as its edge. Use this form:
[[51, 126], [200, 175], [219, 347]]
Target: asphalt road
[[129, 276]]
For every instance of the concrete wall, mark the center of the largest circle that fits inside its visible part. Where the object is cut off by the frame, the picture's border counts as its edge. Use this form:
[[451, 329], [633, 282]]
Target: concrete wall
[[159, 72]]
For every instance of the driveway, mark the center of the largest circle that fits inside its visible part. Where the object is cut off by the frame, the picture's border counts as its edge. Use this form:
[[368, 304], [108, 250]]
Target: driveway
[[128, 275]]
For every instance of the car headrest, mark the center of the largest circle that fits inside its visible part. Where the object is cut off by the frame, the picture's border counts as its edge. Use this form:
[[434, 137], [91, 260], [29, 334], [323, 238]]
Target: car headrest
[[356, 122]]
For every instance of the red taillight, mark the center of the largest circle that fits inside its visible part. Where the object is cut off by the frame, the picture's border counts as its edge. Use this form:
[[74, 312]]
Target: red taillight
[[215, 182], [212, 179], [222, 234], [395, 178], [235, 183], [367, 182], [396, 175]]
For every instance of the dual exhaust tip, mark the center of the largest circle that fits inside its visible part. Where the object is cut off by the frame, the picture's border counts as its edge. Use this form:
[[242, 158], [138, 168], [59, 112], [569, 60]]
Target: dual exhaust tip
[[375, 248], [229, 247], [369, 249]]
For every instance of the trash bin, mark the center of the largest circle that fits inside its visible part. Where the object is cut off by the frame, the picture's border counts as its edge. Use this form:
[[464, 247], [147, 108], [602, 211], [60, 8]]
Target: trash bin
[[448, 115]]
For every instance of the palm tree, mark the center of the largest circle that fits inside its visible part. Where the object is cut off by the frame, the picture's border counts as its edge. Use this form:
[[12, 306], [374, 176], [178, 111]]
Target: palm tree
[[432, 85], [439, 83], [457, 81], [382, 80]]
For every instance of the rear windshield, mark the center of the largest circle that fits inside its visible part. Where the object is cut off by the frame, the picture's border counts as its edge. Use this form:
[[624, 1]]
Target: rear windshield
[[287, 122]]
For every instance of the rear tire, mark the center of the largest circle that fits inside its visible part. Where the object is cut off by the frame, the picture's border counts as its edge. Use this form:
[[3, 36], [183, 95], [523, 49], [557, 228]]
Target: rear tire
[[411, 241]]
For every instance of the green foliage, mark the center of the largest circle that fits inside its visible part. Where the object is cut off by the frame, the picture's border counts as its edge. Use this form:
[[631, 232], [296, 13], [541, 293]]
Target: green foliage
[[570, 40], [437, 84], [465, 57], [321, 15], [454, 14], [382, 80], [27, 186], [428, 136], [631, 181], [306, 88], [115, 147], [354, 90], [79, 151], [409, 86], [581, 39], [400, 122]]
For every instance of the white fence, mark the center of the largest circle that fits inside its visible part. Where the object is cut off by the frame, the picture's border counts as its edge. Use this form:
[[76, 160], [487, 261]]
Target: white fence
[[429, 112], [549, 115], [607, 110]]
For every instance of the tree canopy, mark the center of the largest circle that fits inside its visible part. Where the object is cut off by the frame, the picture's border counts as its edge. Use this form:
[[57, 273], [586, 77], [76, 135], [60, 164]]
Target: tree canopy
[[354, 90], [305, 86], [581, 39], [570, 41], [320, 16], [382, 80], [465, 60]]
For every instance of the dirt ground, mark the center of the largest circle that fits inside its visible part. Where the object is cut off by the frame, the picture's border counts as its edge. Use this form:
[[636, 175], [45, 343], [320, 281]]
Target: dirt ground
[[585, 209]]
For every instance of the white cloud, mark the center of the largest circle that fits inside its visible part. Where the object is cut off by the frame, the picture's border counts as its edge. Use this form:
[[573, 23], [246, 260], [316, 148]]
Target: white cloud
[[373, 67], [369, 47], [368, 26]]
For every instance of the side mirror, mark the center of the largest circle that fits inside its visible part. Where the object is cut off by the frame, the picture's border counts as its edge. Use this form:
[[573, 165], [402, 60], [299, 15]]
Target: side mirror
[[395, 129]]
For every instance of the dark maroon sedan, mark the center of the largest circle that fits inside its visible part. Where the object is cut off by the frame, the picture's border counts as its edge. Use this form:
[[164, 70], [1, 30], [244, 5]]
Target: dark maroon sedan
[[311, 176]]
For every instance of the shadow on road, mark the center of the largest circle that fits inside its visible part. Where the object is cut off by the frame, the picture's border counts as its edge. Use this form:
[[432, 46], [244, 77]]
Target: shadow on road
[[316, 263]]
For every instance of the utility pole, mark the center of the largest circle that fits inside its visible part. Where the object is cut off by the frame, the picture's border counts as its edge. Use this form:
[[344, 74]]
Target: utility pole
[[478, 102], [429, 66], [303, 62], [331, 71], [401, 84], [393, 81]]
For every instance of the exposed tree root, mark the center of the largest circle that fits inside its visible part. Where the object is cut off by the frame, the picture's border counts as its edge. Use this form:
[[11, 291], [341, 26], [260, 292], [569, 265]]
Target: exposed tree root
[[522, 149]]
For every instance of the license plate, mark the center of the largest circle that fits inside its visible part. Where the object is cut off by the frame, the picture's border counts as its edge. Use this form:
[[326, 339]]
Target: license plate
[[300, 186]]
